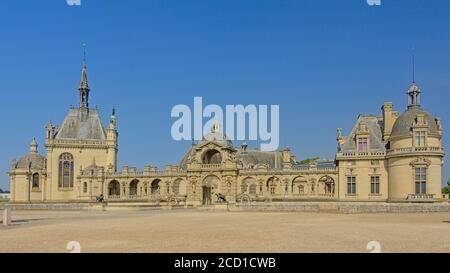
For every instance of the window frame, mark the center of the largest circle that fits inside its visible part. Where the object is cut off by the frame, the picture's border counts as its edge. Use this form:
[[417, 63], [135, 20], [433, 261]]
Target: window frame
[[375, 185], [420, 180], [420, 138], [66, 169], [33, 181], [359, 143], [351, 185]]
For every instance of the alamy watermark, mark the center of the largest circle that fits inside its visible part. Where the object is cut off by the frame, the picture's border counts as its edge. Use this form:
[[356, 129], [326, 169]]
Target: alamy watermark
[[374, 2], [189, 124], [73, 2]]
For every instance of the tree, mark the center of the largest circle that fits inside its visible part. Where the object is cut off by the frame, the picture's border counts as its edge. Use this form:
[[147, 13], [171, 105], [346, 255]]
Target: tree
[[446, 190], [309, 160]]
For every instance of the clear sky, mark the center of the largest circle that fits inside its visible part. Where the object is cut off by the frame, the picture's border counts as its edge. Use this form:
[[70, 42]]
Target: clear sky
[[323, 61]]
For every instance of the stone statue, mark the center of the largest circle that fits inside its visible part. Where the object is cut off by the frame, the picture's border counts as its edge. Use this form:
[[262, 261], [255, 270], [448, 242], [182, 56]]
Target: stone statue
[[221, 198]]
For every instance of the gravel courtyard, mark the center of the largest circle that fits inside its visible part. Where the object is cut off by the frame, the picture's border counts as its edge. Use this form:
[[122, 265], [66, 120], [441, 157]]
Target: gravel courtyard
[[195, 231]]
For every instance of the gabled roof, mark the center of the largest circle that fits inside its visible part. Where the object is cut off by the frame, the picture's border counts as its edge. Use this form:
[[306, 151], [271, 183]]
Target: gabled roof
[[82, 123], [373, 125]]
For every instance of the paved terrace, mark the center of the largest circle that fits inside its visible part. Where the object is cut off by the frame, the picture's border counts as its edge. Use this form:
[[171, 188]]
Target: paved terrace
[[203, 231]]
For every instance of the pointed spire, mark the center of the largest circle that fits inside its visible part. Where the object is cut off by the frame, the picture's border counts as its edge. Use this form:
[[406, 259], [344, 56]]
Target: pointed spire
[[84, 84], [33, 147]]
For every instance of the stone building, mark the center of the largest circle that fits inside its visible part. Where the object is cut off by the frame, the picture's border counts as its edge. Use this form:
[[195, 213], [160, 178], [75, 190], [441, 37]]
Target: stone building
[[389, 158]]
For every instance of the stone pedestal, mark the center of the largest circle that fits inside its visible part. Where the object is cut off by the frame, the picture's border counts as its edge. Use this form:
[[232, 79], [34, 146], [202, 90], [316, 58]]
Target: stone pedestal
[[7, 217]]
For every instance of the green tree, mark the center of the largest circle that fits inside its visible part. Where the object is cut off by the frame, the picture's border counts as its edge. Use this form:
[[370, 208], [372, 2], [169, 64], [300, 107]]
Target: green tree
[[446, 190], [309, 160]]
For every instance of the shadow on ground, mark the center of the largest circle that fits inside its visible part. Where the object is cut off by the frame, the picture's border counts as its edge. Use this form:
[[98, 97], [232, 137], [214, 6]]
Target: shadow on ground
[[19, 222]]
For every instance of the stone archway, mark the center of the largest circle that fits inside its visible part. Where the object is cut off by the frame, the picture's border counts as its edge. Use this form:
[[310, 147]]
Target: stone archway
[[114, 189], [328, 185], [209, 185], [133, 191]]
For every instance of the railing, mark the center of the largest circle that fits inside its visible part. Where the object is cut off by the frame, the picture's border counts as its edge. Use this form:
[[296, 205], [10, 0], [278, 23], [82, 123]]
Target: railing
[[211, 166], [150, 198], [415, 150], [421, 197], [360, 154], [79, 142], [309, 168]]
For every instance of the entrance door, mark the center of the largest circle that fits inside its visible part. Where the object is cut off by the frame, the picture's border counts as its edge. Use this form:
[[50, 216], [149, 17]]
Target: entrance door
[[207, 200]]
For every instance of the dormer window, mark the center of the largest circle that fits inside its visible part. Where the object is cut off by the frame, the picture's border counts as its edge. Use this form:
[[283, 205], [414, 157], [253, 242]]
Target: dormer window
[[363, 144], [420, 138]]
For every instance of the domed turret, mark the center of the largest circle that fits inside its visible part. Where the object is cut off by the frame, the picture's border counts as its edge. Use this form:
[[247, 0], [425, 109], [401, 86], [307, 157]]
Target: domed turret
[[33, 159], [415, 153]]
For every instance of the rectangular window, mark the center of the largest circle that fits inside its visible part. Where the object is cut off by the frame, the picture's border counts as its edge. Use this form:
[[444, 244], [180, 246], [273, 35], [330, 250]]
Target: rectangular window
[[421, 180], [363, 144], [375, 185], [351, 185], [419, 139]]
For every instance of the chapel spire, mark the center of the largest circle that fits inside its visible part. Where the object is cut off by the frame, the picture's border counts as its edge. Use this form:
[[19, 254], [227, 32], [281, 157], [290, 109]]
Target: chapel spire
[[84, 84]]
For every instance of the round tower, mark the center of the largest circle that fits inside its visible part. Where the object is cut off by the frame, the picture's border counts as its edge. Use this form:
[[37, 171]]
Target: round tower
[[415, 153]]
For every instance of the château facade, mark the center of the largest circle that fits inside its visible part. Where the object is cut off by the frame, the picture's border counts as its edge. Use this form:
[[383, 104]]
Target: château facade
[[389, 158]]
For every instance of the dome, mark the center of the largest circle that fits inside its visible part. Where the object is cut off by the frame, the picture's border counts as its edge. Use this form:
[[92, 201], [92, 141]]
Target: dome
[[32, 160], [218, 137], [37, 161], [405, 121]]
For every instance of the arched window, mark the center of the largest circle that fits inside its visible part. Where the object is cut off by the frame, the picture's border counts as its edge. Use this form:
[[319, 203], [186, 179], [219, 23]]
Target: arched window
[[155, 187], [134, 187], [272, 185], [176, 187], [35, 181], [114, 188], [66, 171], [246, 183], [85, 187], [212, 157]]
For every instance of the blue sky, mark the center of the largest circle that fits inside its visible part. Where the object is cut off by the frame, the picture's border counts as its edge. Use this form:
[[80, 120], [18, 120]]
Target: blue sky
[[322, 61]]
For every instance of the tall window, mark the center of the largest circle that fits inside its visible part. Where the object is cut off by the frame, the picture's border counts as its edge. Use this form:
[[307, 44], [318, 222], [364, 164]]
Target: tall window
[[421, 180], [85, 187], [35, 181], [375, 185], [351, 185], [66, 171], [363, 144], [419, 139]]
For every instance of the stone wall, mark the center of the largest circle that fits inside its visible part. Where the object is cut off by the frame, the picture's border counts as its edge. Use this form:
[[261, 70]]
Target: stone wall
[[50, 206], [307, 207], [345, 207]]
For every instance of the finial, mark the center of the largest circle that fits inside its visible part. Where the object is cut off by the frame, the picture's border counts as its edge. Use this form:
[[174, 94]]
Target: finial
[[84, 53], [413, 67], [33, 146], [216, 127], [113, 111]]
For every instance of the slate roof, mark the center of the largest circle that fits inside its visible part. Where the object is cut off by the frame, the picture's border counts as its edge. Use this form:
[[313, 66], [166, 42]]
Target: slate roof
[[402, 126], [374, 126], [82, 123]]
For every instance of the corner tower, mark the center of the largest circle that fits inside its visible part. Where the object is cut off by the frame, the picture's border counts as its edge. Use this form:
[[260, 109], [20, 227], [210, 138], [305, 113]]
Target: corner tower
[[415, 155]]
